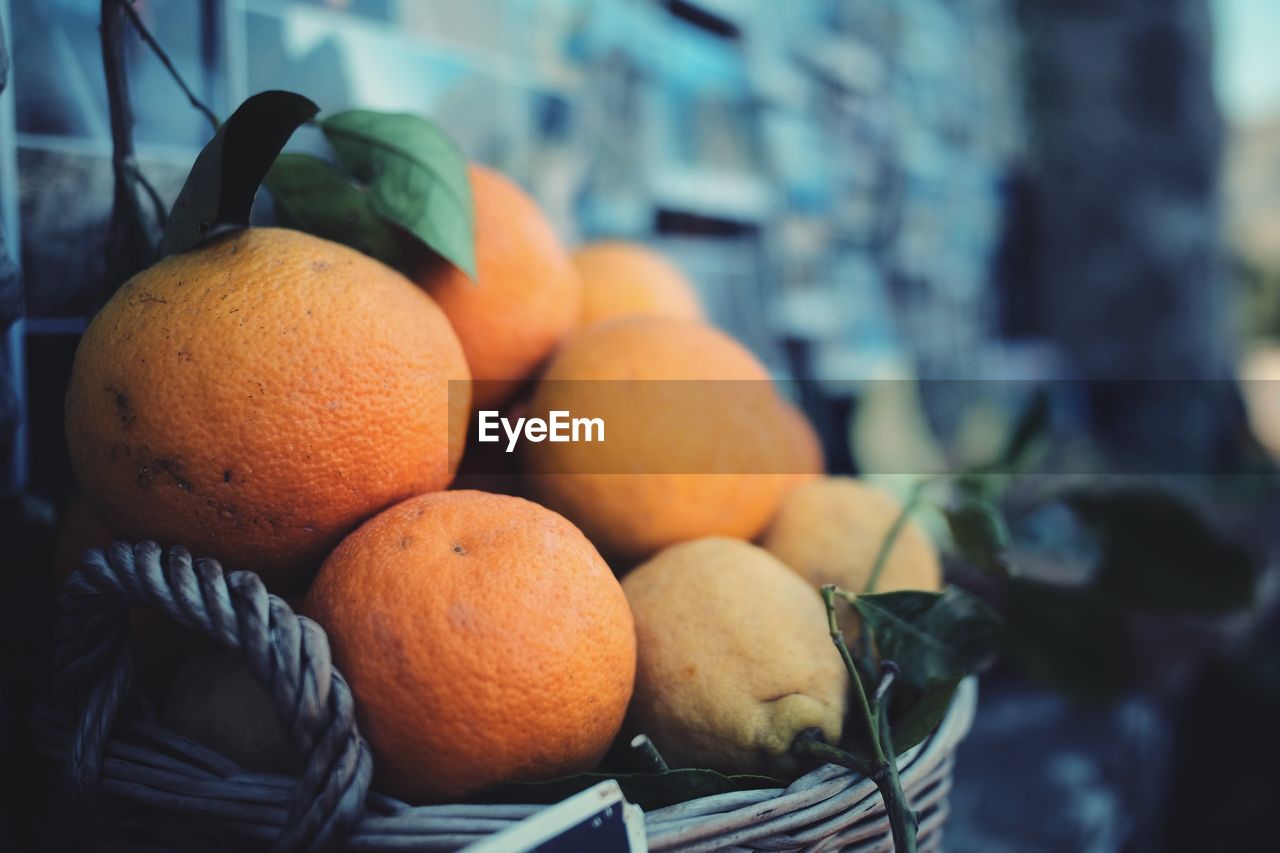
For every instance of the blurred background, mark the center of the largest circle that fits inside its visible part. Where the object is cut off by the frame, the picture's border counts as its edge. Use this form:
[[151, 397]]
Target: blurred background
[[880, 198]]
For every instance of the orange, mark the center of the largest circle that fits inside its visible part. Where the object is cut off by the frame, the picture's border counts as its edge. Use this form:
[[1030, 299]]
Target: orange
[[526, 295], [484, 638], [621, 279], [831, 529], [695, 439], [810, 461], [259, 397]]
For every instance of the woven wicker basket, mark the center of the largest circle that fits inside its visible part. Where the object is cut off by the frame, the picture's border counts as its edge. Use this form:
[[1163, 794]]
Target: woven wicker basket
[[141, 785]]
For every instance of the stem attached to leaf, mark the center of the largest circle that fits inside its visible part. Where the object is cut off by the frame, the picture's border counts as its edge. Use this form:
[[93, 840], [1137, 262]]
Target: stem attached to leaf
[[859, 689], [903, 821], [883, 767], [882, 557], [809, 746]]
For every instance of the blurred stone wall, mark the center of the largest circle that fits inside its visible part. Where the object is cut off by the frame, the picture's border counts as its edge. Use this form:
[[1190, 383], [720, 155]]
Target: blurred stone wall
[[1126, 140], [849, 153]]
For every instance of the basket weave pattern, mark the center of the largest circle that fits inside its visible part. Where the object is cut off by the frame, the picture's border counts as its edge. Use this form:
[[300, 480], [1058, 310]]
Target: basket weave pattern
[[142, 782]]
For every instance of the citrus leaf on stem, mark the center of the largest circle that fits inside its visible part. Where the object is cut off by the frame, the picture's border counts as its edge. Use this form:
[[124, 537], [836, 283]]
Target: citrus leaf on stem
[[415, 176], [226, 175], [914, 715], [1159, 551], [932, 635], [920, 710], [980, 533], [314, 196]]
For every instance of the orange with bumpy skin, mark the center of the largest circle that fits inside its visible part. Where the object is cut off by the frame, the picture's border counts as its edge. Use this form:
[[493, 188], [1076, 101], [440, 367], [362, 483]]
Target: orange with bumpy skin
[[810, 461], [830, 531], [259, 397], [485, 641], [621, 279], [526, 296], [696, 440]]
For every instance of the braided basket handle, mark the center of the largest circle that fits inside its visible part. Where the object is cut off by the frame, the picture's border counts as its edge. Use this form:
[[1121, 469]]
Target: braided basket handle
[[287, 654]]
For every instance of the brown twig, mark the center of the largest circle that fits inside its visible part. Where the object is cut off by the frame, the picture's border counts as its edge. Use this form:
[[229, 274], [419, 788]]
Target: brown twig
[[146, 36], [130, 246], [890, 538]]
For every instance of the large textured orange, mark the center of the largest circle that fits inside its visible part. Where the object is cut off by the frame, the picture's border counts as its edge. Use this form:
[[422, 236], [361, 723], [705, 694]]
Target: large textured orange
[[830, 530], [810, 461], [621, 279], [696, 443], [526, 296], [485, 641], [256, 399]]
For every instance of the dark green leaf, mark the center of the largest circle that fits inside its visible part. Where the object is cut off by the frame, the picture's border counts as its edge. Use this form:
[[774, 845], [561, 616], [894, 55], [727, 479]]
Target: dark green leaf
[[314, 196], [916, 712], [227, 173], [1071, 638], [1159, 551], [984, 484], [932, 635], [921, 711], [980, 533], [647, 790], [1029, 434], [415, 175]]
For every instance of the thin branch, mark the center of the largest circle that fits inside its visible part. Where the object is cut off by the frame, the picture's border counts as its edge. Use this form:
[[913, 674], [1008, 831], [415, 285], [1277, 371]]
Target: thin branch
[[814, 748], [860, 691], [883, 768], [904, 822], [157, 204], [890, 670], [130, 246], [882, 558], [866, 660], [159, 51], [648, 751]]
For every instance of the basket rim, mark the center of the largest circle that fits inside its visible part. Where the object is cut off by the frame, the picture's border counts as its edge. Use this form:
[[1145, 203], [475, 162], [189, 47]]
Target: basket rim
[[145, 763]]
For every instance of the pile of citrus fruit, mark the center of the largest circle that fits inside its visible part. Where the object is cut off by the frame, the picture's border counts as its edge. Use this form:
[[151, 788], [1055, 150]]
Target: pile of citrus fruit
[[291, 406]]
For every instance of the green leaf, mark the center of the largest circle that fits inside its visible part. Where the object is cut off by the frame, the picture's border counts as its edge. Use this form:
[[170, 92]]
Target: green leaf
[[1071, 638], [918, 711], [416, 177], [980, 533], [932, 635], [226, 175], [1159, 551], [915, 714], [985, 484], [314, 196], [647, 790]]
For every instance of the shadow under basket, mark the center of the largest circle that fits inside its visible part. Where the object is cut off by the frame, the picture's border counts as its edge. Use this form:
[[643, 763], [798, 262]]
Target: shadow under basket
[[138, 785]]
